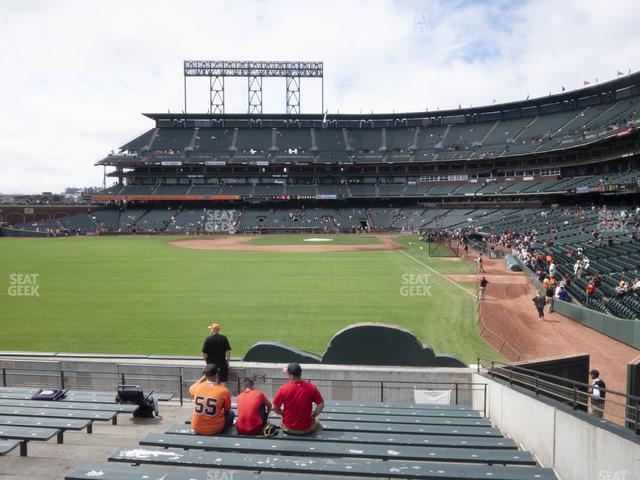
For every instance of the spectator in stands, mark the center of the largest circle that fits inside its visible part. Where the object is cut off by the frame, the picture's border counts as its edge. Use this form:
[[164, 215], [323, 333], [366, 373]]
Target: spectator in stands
[[549, 292], [217, 351], [622, 289], [482, 288], [295, 402], [253, 410], [545, 283], [577, 269], [561, 293], [635, 288], [598, 393], [552, 270], [596, 279], [539, 301], [590, 290], [212, 412]]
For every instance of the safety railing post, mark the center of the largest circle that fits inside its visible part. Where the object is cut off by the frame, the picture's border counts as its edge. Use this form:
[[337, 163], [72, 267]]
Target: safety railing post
[[456, 393], [574, 401], [382, 392], [484, 401], [4, 377], [62, 379], [181, 380], [122, 378]]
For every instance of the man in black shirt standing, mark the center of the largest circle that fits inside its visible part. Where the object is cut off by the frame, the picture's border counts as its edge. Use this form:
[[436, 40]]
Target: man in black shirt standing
[[216, 350], [598, 393]]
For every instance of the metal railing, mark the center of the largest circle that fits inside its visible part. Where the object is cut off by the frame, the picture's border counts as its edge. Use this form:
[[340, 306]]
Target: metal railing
[[460, 392], [473, 395], [617, 407]]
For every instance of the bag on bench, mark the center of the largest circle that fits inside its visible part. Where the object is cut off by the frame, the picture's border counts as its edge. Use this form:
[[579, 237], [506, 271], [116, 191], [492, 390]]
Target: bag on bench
[[133, 394], [49, 395]]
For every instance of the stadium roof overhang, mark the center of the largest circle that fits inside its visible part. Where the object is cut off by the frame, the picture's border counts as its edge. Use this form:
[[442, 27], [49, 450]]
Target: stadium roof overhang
[[609, 89]]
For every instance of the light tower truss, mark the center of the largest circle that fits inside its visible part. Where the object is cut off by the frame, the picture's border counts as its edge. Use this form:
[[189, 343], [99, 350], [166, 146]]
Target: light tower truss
[[254, 72]]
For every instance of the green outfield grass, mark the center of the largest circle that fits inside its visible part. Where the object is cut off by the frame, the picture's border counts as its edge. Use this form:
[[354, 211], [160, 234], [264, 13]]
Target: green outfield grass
[[140, 295], [328, 240]]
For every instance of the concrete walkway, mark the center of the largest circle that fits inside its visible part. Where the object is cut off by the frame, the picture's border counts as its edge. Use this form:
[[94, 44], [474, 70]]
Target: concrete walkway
[[50, 460]]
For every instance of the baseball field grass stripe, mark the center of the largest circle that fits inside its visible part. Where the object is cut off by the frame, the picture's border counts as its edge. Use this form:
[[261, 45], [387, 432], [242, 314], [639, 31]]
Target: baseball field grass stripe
[[438, 273]]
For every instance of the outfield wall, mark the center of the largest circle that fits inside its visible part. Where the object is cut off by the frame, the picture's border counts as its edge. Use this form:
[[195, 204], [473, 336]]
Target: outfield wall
[[576, 445]]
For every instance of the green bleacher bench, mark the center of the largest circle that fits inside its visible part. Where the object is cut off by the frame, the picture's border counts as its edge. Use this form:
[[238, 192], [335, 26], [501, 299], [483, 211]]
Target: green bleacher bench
[[381, 438], [294, 464], [400, 413], [118, 471], [59, 413], [449, 412], [351, 417], [335, 449], [26, 434], [389, 407], [79, 396], [403, 406], [422, 429], [7, 445], [106, 397], [18, 392], [42, 422], [107, 407]]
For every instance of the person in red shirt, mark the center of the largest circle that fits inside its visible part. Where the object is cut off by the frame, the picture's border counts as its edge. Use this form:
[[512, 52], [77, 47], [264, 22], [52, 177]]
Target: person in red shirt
[[212, 412], [591, 291], [253, 410], [295, 402]]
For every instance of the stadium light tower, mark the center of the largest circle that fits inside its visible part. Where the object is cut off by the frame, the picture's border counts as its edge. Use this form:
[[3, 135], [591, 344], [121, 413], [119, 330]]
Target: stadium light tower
[[254, 72]]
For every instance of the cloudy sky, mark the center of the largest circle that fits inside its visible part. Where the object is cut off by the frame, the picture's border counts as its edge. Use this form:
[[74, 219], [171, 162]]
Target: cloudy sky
[[77, 74]]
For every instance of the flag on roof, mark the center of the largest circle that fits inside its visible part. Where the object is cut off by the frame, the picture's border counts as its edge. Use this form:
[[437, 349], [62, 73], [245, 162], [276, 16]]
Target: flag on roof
[[619, 73], [563, 89], [586, 82]]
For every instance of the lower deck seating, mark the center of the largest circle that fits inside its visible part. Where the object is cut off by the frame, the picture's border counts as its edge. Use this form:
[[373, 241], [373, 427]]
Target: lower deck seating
[[348, 448], [23, 420]]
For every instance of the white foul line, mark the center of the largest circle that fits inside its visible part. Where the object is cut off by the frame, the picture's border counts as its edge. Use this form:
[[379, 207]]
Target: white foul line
[[438, 273]]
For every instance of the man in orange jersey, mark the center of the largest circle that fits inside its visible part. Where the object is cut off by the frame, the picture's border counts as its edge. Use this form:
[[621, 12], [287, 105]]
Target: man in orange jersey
[[253, 410], [212, 412]]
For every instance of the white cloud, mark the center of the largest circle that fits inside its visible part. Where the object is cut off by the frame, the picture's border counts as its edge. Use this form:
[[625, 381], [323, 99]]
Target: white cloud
[[77, 75]]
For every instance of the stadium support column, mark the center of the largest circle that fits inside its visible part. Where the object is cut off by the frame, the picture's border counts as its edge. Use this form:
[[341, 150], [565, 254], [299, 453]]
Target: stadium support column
[[255, 94], [216, 94], [293, 95], [185, 94]]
